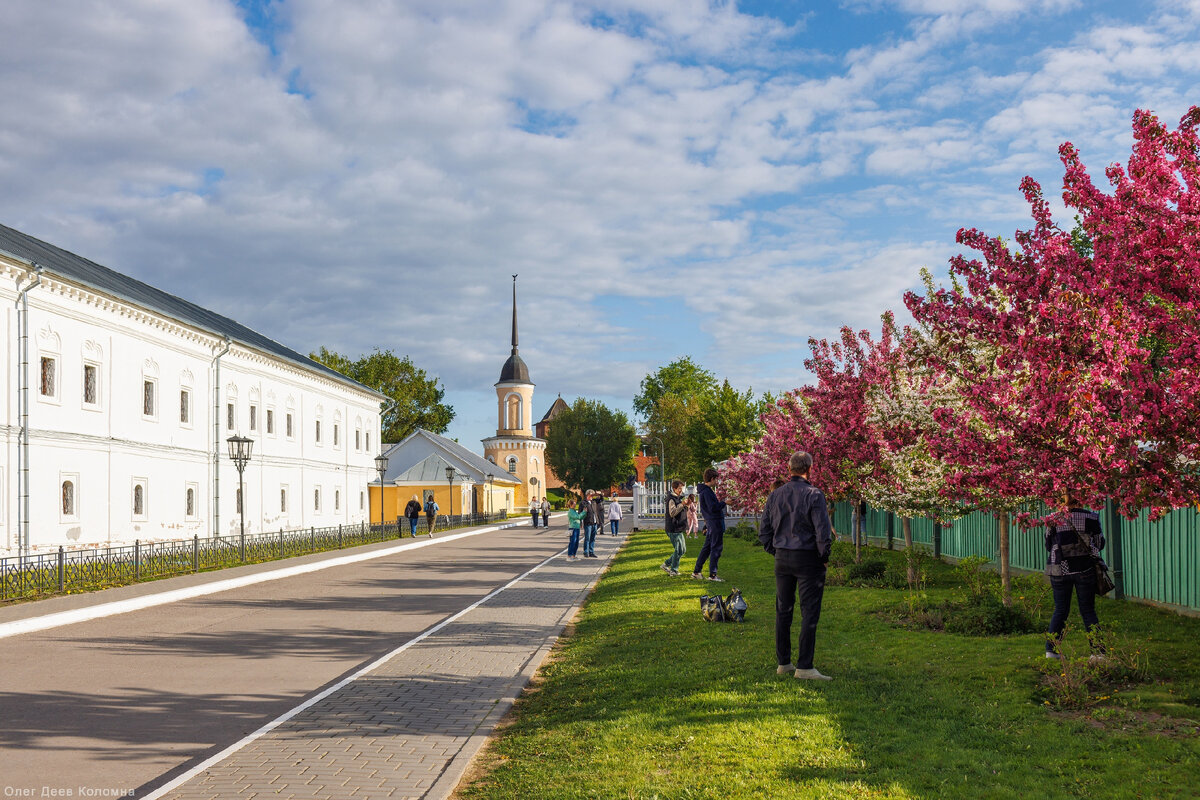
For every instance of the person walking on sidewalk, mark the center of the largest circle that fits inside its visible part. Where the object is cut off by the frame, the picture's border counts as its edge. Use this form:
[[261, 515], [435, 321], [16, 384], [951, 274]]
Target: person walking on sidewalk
[[412, 512], [674, 523], [614, 517], [795, 529], [431, 513], [545, 512], [575, 518], [535, 510], [713, 510], [591, 526], [1072, 552]]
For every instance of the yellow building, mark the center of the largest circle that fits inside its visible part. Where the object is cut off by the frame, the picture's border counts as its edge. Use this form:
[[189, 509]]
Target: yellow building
[[515, 448], [460, 482]]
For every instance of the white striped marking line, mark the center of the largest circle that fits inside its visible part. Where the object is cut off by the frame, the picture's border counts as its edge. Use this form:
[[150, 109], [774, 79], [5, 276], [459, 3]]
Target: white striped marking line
[[275, 723], [60, 618]]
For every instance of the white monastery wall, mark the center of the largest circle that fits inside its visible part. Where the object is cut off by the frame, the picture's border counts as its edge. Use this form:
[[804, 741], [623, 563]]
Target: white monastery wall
[[127, 419]]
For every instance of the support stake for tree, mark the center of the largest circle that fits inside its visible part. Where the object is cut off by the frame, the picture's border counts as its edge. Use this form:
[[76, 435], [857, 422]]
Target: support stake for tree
[[1002, 522]]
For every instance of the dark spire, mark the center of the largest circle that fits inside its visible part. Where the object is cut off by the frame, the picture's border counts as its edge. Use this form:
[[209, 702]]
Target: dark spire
[[514, 338], [514, 370]]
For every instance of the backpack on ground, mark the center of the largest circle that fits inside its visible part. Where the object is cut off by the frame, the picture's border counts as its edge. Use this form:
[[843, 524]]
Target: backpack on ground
[[724, 609]]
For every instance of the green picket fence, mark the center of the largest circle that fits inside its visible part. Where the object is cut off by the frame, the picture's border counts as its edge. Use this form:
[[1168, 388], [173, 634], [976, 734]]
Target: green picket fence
[[1156, 562]]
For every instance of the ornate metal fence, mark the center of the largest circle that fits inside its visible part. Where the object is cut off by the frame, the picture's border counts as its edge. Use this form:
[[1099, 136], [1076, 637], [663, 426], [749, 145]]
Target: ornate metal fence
[[71, 571]]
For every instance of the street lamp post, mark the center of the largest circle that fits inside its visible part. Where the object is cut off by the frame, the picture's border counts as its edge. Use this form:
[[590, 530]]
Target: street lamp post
[[381, 462], [239, 453], [450, 479]]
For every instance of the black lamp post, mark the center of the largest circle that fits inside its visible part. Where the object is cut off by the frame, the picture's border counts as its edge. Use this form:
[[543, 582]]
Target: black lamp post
[[450, 479], [381, 462], [239, 453]]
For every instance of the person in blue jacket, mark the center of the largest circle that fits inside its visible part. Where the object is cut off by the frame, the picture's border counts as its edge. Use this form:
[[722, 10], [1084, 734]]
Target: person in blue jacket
[[712, 509]]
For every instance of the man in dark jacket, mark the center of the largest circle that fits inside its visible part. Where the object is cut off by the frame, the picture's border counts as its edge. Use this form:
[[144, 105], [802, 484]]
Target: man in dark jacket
[[591, 524], [795, 529], [675, 523], [713, 512]]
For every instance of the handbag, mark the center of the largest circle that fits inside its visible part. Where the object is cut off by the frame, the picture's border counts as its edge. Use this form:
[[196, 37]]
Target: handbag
[[1104, 581], [715, 608]]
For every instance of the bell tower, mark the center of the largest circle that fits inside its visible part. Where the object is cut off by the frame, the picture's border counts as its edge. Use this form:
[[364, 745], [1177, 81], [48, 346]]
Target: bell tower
[[514, 448]]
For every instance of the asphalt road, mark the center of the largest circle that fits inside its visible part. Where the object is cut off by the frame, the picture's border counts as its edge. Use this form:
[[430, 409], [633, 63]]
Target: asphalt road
[[126, 702]]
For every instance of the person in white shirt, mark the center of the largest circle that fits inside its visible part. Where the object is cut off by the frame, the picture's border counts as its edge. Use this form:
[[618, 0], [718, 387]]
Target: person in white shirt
[[614, 516]]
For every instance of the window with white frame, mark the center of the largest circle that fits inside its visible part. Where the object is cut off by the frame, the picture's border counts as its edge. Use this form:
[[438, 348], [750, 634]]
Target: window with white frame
[[253, 418], [358, 439], [185, 407], [362, 501], [318, 429], [512, 464], [317, 499], [91, 386], [149, 398], [140, 499], [48, 378], [270, 422], [335, 434], [289, 431], [368, 441], [230, 416], [337, 499], [189, 500], [283, 491]]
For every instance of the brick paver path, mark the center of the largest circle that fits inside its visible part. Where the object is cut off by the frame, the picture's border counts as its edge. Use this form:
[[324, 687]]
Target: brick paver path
[[410, 727]]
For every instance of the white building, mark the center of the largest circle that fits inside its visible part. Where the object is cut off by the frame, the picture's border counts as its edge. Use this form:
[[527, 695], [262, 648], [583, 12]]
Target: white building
[[128, 395]]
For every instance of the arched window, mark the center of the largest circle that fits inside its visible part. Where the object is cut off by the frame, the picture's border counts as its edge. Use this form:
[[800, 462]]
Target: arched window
[[512, 464], [139, 500], [189, 502], [68, 499], [513, 412]]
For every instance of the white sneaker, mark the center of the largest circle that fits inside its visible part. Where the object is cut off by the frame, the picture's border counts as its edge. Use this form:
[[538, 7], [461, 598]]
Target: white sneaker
[[811, 675], [697, 575], [784, 669], [1052, 654]]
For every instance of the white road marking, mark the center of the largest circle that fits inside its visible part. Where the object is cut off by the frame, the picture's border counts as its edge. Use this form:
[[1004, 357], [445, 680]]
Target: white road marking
[[47, 621], [275, 723]]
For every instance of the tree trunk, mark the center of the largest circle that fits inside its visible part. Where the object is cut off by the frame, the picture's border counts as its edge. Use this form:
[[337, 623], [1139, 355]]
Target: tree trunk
[[906, 527], [1005, 572], [854, 526]]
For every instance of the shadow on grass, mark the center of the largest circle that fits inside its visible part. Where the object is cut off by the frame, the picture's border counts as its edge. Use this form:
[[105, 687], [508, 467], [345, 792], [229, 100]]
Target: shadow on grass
[[646, 699]]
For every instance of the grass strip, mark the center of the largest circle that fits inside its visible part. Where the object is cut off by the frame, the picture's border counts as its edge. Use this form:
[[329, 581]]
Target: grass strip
[[646, 700]]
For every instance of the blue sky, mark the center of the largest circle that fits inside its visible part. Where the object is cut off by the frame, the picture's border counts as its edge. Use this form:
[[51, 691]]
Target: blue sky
[[669, 177]]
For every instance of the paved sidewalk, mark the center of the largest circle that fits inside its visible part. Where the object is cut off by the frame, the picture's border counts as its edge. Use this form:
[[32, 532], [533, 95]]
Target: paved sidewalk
[[409, 728]]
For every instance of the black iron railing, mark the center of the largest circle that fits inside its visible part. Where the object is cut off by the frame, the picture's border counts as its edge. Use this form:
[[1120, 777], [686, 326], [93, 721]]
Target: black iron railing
[[72, 571]]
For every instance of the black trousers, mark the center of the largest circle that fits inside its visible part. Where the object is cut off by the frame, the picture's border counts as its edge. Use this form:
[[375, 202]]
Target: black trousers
[[797, 571], [1083, 585]]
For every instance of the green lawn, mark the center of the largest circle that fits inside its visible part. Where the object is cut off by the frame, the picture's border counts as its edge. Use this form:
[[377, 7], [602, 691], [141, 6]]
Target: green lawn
[[646, 700]]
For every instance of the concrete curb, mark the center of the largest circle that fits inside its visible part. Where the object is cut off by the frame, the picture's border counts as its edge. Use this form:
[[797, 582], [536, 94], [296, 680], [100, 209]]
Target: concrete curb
[[447, 783]]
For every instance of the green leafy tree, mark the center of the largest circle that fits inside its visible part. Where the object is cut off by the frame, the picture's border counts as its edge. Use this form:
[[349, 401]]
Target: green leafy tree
[[415, 398], [670, 420], [724, 424], [682, 378], [590, 446]]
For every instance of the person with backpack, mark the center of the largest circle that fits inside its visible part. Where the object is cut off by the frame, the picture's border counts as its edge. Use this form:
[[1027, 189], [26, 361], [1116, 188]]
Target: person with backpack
[[431, 512], [412, 512], [1072, 556], [713, 510], [675, 523], [575, 518]]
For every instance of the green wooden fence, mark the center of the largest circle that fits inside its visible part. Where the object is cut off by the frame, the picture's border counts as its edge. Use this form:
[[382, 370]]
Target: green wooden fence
[[1156, 562]]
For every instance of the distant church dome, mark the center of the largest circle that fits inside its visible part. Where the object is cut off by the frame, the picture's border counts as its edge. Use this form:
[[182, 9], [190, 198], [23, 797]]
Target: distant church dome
[[514, 371]]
